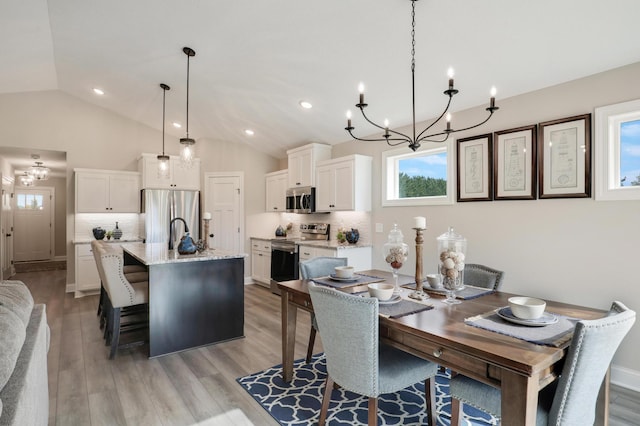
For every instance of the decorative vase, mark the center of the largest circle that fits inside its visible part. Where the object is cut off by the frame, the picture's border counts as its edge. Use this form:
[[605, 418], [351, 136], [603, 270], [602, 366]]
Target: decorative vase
[[395, 254], [352, 236], [452, 250], [117, 232], [187, 246], [98, 233]]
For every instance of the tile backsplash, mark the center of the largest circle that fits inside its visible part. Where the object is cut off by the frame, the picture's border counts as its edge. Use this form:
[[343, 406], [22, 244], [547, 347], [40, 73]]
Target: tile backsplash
[[127, 222]]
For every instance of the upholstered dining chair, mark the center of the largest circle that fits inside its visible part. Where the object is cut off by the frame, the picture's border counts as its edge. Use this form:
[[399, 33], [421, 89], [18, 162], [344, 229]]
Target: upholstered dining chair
[[314, 268], [570, 400], [122, 299], [348, 322], [483, 276]]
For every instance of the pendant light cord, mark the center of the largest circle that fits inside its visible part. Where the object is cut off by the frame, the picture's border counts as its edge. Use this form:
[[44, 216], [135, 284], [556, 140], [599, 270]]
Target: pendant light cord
[[188, 61]]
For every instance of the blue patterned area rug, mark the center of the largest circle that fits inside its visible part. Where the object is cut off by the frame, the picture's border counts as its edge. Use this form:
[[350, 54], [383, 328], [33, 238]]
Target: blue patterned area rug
[[298, 403]]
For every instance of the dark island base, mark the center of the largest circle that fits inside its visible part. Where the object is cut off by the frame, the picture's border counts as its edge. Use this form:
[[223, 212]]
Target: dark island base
[[194, 304]]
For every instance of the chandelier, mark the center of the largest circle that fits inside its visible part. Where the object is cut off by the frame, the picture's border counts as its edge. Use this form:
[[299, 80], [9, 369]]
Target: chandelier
[[187, 150], [394, 138], [39, 172], [26, 180]]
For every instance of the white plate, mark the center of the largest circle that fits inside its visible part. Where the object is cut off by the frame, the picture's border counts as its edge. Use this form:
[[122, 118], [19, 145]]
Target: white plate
[[546, 318], [346, 280], [391, 301]]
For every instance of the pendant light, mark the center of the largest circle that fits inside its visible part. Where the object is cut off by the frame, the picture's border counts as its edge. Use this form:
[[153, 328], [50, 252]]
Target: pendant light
[[163, 160], [38, 172], [187, 150], [26, 180]]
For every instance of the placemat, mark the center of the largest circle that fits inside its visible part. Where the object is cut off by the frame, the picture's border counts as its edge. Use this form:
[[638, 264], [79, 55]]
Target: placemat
[[467, 293], [362, 279], [555, 335], [402, 308]]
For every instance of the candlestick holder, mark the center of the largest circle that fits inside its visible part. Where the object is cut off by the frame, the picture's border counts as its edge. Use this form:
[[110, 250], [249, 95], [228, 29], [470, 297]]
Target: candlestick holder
[[418, 294], [205, 240]]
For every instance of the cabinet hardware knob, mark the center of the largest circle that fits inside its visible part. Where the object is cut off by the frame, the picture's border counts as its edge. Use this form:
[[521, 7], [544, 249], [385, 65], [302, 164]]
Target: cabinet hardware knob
[[437, 353]]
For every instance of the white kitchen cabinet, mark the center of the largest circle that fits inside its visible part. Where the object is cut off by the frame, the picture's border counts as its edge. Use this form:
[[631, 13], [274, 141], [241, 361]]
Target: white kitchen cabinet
[[105, 191], [261, 261], [358, 257], [276, 191], [302, 162], [344, 184], [87, 278], [179, 177]]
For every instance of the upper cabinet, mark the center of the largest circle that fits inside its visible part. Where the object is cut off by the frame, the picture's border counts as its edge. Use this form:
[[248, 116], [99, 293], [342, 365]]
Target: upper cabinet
[[302, 163], [179, 177], [106, 191], [344, 184], [276, 191]]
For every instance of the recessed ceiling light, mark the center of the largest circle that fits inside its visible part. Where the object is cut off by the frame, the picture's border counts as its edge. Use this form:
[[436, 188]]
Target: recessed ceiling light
[[177, 125], [306, 104], [249, 132], [98, 91]]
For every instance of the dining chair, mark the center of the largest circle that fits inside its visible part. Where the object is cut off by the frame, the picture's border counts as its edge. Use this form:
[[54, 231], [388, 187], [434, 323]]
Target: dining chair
[[313, 268], [123, 300], [483, 276], [356, 361], [570, 400]]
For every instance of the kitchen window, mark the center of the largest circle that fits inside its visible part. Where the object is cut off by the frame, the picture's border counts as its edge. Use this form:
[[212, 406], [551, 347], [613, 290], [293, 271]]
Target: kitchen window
[[418, 178], [617, 143]]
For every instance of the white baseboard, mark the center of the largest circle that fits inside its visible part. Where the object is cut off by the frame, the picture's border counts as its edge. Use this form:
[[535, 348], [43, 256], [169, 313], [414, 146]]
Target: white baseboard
[[59, 258], [626, 378]]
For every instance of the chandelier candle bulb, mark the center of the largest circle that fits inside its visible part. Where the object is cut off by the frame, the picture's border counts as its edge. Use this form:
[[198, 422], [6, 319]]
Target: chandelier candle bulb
[[348, 119], [493, 97], [450, 74], [420, 222], [361, 90], [448, 121]]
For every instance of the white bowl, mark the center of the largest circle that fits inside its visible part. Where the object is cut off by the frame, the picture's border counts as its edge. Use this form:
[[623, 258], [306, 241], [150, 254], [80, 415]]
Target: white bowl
[[381, 291], [527, 308], [434, 280], [344, 271]]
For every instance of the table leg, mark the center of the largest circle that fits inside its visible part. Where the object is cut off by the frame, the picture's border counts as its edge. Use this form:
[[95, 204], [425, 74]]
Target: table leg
[[289, 313], [602, 403], [519, 399]]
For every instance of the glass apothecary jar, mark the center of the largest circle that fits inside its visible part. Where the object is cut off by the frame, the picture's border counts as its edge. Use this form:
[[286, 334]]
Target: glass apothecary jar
[[395, 254], [452, 251]]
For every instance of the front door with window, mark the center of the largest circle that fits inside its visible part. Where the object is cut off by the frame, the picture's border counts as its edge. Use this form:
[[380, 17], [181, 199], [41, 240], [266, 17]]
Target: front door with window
[[32, 224]]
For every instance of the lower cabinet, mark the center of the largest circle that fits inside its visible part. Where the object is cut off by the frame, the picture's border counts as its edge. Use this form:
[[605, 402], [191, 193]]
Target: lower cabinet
[[87, 278], [359, 257], [261, 261]]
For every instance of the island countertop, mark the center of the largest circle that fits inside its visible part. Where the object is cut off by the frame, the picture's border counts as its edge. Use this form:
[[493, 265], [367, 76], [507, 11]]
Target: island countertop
[[159, 253]]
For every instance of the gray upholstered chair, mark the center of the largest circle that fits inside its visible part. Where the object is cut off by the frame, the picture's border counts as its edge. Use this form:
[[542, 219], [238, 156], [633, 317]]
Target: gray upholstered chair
[[483, 276], [350, 322], [314, 268], [123, 298], [570, 400]]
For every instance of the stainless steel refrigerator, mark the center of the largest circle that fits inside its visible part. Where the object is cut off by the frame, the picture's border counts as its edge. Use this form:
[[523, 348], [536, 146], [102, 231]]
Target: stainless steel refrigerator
[[161, 206]]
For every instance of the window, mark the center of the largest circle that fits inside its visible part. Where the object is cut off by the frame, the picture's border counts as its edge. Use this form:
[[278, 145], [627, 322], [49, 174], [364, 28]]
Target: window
[[617, 143], [418, 178], [29, 202]]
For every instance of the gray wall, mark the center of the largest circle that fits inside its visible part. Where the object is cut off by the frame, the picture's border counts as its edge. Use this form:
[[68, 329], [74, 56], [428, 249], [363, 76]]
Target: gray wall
[[571, 250]]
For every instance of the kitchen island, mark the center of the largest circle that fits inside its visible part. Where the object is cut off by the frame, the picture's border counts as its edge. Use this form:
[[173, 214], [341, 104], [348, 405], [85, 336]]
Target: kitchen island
[[194, 300]]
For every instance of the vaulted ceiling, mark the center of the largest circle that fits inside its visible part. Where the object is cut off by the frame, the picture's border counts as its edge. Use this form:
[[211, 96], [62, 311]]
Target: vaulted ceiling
[[256, 60]]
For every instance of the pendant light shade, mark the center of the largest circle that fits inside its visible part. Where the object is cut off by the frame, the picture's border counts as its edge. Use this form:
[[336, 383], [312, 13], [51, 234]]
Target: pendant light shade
[[187, 149], [163, 160], [39, 172]]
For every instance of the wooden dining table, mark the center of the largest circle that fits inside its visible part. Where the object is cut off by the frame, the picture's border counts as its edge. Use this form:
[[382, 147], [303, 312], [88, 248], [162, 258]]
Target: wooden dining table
[[517, 367]]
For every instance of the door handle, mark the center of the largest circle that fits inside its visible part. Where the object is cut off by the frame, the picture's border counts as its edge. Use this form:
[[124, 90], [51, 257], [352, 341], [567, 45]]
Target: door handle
[[8, 235], [211, 235]]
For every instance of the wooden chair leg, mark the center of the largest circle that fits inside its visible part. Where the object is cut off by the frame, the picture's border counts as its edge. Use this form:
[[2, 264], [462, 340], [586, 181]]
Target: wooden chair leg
[[115, 333], [326, 398], [430, 399], [312, 341], [456, 411], [373, 411]]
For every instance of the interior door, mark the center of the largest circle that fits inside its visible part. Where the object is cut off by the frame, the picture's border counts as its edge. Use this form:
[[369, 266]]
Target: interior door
[[224, 200], [6, 236], [33, 221]]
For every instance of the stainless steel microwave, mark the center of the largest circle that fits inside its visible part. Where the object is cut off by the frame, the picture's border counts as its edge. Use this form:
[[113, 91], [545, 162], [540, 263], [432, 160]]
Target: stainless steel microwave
[[301, 200]]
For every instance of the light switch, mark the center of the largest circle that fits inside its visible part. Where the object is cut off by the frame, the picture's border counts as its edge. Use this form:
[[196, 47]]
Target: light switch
[[379, 227]]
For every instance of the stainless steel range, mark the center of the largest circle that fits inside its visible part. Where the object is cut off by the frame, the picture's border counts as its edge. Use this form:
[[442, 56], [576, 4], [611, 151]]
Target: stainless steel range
[[284, 252]]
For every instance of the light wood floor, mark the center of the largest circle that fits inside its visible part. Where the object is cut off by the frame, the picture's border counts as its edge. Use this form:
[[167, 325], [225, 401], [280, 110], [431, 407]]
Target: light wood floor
[[193, 387]]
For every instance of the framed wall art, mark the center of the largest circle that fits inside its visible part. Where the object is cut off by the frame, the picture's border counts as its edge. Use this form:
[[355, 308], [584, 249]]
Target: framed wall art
[[475, 168], [514, 162], [565, 157]]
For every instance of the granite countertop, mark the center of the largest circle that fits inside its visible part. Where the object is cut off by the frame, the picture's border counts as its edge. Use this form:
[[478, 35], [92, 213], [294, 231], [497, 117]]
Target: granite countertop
[[88, 240], [158, 253]]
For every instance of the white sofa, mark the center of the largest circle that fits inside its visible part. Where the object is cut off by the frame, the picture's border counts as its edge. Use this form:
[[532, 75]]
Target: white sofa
[[24, 342]]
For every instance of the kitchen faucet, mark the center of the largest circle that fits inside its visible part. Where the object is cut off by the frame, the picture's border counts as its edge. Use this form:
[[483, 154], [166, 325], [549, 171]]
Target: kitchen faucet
[[186, 230]]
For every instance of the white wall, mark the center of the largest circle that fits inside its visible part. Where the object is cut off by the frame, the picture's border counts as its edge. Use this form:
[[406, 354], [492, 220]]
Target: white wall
[[577, 251], [94, 137]]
